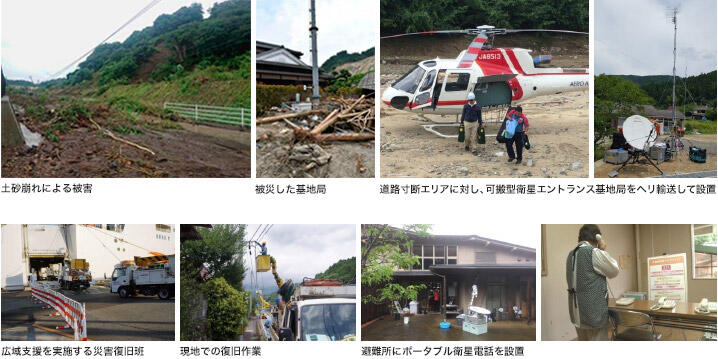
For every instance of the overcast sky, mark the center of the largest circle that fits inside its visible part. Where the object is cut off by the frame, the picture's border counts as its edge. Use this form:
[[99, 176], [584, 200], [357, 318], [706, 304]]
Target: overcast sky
[[40, 37], [304, 250], [636, 37], [343, 25]]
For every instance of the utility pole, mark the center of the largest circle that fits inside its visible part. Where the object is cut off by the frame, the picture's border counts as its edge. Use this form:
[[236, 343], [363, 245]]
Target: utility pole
[[315, 62], [674, 12]]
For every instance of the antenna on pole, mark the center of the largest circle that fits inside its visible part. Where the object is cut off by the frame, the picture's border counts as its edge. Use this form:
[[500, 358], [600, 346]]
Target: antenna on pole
[[674, 20], [315, 62]]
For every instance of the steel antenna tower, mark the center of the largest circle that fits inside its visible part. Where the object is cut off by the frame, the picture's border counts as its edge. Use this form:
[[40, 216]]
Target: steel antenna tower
[[315, 62], [674, 19]]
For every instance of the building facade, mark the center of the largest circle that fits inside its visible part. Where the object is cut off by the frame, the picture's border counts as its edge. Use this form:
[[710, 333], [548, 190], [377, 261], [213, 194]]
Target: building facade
[[449, 265]]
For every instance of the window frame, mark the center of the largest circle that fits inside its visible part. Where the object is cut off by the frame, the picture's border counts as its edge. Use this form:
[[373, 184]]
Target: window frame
[[693, 255], [447, 81]]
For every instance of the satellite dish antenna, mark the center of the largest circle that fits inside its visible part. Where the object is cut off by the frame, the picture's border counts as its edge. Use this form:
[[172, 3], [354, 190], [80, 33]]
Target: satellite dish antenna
[[479, 310], [639, 132]]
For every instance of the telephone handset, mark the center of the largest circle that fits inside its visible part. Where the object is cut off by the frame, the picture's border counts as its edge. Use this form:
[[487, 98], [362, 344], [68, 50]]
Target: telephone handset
[[706, 307], [664, 303]]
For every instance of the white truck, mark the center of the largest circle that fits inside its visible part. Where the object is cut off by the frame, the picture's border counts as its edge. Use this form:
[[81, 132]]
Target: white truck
[[128, 279], [320, 313]]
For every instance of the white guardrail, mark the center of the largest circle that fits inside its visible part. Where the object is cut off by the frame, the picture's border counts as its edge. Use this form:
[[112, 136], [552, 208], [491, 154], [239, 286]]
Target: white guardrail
[[72, 311], [235, 116]]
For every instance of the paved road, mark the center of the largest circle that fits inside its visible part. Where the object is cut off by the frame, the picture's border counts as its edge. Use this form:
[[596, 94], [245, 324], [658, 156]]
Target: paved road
[[109, 317]]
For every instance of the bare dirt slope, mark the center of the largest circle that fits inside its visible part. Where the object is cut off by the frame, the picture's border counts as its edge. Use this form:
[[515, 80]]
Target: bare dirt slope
[[559, 123], [358, 67]]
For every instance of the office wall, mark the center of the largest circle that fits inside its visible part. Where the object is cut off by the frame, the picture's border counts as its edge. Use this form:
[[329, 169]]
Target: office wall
[[560, 240], [660, 239]]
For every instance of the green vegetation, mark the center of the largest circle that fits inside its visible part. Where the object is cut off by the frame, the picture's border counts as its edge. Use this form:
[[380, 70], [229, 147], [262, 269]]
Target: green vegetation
[[693, 89], [273, 95], [343, 57], [614, 97], [182, 57], [344, 83], [704, 127], [344, 270], [226, 309], [181, 40], [220, 254], [402, 16], [385, 249]]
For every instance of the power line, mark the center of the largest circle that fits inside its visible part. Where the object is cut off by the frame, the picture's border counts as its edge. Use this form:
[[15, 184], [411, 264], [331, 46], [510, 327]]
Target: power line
[[140, 13]]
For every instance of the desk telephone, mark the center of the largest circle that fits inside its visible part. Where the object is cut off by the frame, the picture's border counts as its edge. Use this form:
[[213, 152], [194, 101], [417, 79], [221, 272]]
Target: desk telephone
[[706, 307], [664, 303]]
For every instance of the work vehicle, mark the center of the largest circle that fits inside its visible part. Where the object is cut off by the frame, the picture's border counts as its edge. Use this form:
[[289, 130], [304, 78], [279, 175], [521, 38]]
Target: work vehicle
[[320, 311], [497, 76], [146, 276], [75, 275], [315, 310]]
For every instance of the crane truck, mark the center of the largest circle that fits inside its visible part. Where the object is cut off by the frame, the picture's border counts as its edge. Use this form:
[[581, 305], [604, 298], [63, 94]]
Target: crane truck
[[145, 275], [315, 310]]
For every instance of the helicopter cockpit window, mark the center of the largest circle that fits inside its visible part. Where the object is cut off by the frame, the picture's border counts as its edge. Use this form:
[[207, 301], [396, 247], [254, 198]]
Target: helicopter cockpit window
[[410, 81], [430, 63], [457, 81], [428, 81]]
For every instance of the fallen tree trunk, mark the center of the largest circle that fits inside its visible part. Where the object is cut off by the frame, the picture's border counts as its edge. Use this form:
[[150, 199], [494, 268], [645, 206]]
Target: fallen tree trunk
[[286, 116], [331, 119], [112, 136], [355, 137]]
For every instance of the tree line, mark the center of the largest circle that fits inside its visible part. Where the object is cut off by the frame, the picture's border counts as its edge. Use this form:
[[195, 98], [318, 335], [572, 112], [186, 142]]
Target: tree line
[[404, 16], [185, 35]]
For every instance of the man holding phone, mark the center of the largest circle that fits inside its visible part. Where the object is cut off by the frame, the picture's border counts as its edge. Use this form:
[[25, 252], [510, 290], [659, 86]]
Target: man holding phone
[[587, 267]]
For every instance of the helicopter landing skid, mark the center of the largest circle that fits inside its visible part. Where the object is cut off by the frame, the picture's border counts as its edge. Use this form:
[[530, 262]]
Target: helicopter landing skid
[[431, 129]]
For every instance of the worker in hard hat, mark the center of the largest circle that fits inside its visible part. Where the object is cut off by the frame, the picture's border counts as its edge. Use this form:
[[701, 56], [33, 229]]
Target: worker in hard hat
[[471, 120], [587, 267], [264, 248]]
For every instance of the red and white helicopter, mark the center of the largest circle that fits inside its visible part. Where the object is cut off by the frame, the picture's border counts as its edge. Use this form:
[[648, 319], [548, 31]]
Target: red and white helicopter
[[497, 76]]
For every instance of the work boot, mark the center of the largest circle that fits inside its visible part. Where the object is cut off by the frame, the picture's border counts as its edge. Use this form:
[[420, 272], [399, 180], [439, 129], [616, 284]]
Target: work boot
[[511, 160], [518, 162], [466, 148]]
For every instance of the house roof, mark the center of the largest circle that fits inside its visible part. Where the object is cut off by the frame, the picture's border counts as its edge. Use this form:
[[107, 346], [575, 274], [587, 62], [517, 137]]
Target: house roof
[[466, 239], [367, 82], [652, 111], [281, 56], [266, 46]]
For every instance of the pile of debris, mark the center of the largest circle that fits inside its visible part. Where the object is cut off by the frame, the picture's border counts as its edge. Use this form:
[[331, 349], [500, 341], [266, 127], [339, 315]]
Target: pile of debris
[[302, 144], [347, 120]]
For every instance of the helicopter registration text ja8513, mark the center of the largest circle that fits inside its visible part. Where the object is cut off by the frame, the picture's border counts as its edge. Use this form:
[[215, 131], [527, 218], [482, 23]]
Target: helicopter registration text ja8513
[[497, 76]]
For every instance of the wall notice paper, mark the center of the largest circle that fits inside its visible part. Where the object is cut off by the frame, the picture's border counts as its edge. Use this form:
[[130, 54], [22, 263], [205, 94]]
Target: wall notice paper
[[667, 277]]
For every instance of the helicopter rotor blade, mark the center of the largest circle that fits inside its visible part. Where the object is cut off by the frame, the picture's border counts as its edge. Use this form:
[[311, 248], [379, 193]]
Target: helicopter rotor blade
[[545, 30], [431, 32]]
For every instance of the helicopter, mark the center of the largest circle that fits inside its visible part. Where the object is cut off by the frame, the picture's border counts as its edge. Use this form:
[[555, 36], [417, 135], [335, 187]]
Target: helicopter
[[497, 76]]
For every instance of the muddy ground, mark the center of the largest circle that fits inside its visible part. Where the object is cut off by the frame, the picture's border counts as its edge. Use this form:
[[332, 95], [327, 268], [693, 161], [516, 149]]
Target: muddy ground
[[280, 155], [559, 123], [680, 166], [181, 149]]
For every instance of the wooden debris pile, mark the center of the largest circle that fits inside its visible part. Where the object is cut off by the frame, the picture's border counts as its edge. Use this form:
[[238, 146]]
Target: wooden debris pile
[[340, 119]]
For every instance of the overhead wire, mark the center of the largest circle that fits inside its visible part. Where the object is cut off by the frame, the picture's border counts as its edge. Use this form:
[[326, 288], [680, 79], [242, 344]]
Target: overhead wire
[[133, 18]]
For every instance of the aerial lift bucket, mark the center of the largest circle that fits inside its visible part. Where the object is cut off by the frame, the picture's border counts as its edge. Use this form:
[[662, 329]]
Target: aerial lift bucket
[[263, 263]]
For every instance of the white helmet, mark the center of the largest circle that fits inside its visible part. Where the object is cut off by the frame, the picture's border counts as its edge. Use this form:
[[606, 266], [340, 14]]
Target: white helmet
[[472, 96]]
